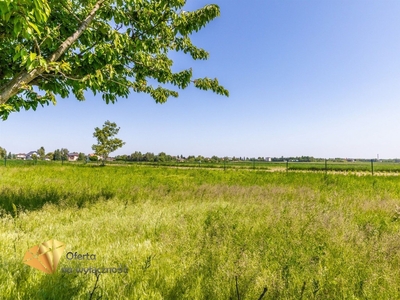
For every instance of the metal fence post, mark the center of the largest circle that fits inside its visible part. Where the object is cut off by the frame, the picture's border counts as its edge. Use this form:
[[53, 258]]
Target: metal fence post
[[372, 167]]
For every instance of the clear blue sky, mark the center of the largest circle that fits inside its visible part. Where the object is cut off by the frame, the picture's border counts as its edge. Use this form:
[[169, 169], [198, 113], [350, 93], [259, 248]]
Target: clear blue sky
[[317, 78]]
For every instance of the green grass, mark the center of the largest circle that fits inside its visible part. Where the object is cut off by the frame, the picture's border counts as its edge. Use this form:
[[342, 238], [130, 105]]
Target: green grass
[[349, 167], [201, 233], [292, 166], [244, 165]]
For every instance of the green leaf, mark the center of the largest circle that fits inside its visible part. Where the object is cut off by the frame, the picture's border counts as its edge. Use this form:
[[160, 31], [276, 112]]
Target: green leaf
[[32, 56], [34, 27], [17, 27], [16, 56]]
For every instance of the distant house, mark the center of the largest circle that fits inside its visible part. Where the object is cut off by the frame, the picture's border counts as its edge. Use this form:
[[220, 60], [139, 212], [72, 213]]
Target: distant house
[[268, 159], [73, 156], [21, 156], [30, 154]]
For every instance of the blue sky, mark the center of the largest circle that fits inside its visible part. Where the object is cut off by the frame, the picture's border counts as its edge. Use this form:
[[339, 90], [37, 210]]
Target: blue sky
[[316, 78]]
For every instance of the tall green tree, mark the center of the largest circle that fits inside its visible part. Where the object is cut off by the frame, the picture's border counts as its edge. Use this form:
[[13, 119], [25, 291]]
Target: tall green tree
[[57, 154], [111, 47], [64, 153], [81, 156], [106, 142], [50, 155], [41, 152], [162, 157], [136, 156], [149, 156], [3, 152]]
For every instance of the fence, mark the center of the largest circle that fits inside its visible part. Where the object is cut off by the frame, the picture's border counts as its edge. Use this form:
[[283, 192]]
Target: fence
[[323, 166]]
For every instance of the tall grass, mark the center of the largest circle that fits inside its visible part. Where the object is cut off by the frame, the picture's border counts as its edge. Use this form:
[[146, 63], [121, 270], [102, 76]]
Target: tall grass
[[359, 166], [201, 233]]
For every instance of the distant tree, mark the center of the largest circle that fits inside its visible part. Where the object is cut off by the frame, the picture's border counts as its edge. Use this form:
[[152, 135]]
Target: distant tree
[[93, 158], [137, 156], [214, 159], [199, 158], [123, 157], [81, 156], [41, 152], [304, 159], [64, 153], [9, 156], [106, 143], [191, 158], [57, 154], [50, 155], [162, 157], [3, 153], [150, 157]]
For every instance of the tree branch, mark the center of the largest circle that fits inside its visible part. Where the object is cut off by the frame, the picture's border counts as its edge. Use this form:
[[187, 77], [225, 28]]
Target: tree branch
[[39, 53], [13, 87], [69, 41], [61, 75], [71, 12], [88, 49]]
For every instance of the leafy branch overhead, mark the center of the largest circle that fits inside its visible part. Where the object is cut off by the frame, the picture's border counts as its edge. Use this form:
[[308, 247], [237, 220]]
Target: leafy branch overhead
[[111, 47]]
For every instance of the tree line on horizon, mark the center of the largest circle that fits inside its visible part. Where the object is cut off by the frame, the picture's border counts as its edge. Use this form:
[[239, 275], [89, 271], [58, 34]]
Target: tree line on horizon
[[137, 156]]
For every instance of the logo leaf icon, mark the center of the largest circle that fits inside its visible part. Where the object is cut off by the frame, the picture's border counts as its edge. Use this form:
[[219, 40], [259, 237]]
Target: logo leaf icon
[[45, 257]]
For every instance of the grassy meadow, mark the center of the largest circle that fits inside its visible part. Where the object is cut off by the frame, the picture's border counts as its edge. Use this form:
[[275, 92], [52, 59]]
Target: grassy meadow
[[331, 166], [197, 233]]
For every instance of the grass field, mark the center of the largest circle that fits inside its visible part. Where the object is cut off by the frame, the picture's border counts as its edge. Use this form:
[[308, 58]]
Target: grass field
[[187, 233], [331, 166]]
